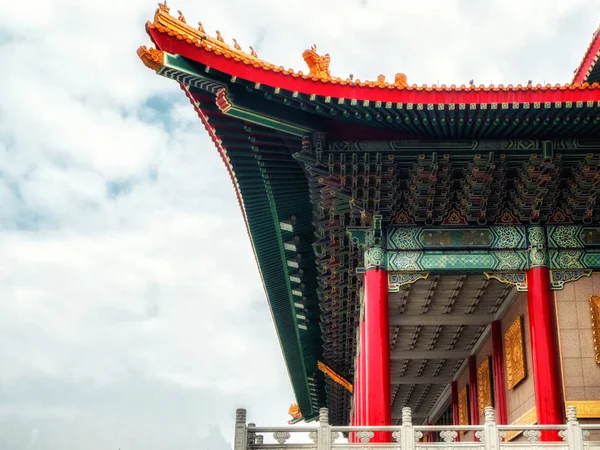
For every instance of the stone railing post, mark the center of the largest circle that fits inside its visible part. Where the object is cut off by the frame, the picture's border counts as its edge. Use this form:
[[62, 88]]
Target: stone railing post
[[241, 433], [574, 432], [491, 439], [324, 436], [408, 434]]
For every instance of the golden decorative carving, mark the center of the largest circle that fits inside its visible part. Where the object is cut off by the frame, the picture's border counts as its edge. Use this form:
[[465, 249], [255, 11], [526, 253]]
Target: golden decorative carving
[[529, 418], [463, 406], [514, 349], [595, 311], [484, 385], [318, 65], [151, 57], [589, 409], [334, 376]]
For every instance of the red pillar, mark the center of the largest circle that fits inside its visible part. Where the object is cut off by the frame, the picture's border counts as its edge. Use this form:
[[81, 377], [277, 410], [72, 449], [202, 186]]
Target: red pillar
[[547, 378], [377, 351], [473, 400], [363, 377], [455, 410], [454, 393], [498, 369], [357, 396]]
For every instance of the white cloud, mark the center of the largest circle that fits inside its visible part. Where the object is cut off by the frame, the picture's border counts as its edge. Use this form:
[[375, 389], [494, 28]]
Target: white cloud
[[127, 284]]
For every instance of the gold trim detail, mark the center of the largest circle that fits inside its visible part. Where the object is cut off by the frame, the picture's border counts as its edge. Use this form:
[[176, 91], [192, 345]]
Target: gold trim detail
[[529, 418], [463, 406], [516, 279], [586, 409], [595, 311], [514, 349], [484, 386], [334, 376], [151, 57]]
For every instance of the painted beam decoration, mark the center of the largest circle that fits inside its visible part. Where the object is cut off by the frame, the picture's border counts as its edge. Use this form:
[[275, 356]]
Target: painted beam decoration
[[514, 349], [572, 251]]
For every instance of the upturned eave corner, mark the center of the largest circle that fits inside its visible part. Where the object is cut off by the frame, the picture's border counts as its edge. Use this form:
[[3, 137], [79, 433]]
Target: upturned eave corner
[[152, 58]]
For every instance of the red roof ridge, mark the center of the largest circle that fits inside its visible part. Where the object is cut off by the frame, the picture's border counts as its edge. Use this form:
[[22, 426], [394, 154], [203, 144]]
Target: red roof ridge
[[319, 69], [590, 57]]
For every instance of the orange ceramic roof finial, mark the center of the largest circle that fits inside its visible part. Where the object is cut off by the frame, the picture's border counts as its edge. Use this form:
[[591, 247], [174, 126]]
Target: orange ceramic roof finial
[[400, 80], [318, 65], [151, 57]]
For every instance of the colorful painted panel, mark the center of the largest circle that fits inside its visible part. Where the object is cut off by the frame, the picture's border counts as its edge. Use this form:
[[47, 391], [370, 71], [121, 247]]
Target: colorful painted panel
[[595, 310], [457, 238], [514, 350], [481, 260], [484, 386], [497, 238], [463, 406]]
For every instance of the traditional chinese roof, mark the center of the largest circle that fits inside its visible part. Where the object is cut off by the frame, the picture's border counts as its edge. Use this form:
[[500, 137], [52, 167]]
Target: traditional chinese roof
[[311, 154]]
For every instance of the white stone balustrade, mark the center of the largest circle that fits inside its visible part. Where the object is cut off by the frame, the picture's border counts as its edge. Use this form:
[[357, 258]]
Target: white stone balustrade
[[489, 436]]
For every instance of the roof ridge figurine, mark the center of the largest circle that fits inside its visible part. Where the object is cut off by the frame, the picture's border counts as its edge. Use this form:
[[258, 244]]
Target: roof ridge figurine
[[318, 65]]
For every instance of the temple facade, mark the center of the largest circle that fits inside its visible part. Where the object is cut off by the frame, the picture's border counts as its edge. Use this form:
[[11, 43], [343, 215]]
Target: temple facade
[[427, 247]]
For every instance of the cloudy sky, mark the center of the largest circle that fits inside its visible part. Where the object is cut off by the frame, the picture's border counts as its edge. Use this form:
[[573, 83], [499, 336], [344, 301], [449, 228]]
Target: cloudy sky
[[131, 311]]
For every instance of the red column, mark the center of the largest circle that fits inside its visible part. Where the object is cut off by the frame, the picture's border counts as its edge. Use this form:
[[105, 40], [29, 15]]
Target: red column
[[356, 396], [473, 400], [455, 413], [377, 351], [363, 377], [547, 378], [498, 369], [454, 393]]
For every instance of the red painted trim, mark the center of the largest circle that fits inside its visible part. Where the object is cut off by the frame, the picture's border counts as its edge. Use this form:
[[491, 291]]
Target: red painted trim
[[415, 95], [588, 59], [377, 346], [547, 379], [498, 370], [473, 400]]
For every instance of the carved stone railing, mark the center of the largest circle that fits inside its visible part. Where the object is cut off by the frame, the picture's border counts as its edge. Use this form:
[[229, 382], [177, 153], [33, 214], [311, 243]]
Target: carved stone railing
[[489, 436]]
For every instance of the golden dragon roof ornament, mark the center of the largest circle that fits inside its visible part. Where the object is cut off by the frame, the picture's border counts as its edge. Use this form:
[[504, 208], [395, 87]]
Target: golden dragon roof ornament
[[318, 65]]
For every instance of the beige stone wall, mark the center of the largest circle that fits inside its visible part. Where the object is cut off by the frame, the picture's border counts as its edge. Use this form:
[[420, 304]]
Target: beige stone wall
[[581, 373], [521, 398]]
